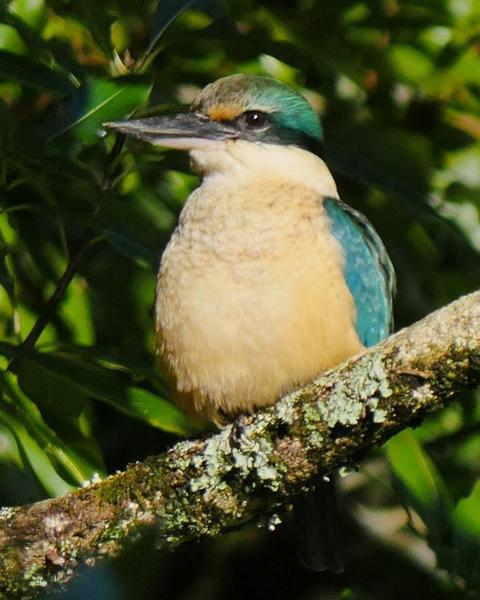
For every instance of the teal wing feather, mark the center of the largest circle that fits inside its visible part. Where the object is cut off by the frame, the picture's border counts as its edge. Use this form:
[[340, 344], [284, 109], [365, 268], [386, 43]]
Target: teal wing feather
[[371, 281], [368, 271]]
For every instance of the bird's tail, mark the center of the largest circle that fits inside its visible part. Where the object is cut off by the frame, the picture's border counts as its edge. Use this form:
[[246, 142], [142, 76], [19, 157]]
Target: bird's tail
[[316, 520]]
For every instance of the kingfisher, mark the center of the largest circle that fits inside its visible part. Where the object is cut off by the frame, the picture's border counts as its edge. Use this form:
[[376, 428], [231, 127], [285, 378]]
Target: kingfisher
[[269, 279]]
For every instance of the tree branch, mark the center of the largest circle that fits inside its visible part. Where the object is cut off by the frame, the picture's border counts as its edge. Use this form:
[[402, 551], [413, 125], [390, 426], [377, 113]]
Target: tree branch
[[253, 468]]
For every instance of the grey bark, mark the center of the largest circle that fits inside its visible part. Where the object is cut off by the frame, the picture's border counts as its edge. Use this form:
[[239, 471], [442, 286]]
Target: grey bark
[[253, 468]]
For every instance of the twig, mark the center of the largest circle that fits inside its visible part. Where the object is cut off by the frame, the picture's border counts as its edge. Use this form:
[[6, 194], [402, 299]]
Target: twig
[[74, 262]]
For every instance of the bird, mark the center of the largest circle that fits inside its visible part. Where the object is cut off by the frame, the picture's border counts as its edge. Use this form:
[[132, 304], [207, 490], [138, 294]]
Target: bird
[[269, 278]]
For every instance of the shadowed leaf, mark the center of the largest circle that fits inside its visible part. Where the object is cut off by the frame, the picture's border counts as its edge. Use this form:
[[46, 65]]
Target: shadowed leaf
[[33, 74], [61, 370]]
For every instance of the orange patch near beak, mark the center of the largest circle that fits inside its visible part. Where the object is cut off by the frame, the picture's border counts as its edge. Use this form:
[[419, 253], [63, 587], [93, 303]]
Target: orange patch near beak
[[224, 113]]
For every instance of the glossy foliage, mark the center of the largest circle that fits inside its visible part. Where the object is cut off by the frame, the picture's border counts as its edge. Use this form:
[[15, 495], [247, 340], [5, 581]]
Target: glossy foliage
[[397, 84]]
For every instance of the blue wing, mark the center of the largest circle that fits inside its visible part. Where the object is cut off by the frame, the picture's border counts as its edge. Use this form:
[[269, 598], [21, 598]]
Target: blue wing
[[368, 271]]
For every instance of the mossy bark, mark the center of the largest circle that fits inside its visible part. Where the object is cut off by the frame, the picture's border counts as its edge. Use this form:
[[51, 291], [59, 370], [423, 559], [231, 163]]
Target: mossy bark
[[252, 468]]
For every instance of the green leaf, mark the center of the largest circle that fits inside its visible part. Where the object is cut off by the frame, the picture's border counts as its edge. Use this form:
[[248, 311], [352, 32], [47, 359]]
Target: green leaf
[[18, 483], [10, 40], [33, 74], [420, 484], [68, 462], [98, 101], [30, 37], [466, 70], [410, 64], [36, 457], [75, 311], [466, 536], [30, 11], [145, 405], [67, 412], [61, 369]]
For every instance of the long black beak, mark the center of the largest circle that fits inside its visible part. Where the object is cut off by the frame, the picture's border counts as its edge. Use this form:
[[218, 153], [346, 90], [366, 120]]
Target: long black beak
[[184, 131]]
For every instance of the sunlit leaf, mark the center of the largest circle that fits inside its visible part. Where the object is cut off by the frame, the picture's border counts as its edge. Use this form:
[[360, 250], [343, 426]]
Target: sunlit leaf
[[29, 36], [10, 40], [36, 456], [410, 64], [30, 11], [74, 465], [466, 70], [76, 312], [33, 74], [67, 412], [466, 528], [140, 403], [18, 483], [98, 101], [420, 484]]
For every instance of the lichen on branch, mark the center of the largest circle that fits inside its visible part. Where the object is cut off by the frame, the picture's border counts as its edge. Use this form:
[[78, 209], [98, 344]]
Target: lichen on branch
[[252, 468]]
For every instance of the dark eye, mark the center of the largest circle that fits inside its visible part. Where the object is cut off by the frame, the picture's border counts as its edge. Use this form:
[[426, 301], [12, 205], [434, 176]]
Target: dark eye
[[255, 119]]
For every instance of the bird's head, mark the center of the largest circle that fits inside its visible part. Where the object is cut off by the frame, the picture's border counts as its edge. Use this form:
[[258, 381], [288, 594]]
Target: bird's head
[[250, 108]]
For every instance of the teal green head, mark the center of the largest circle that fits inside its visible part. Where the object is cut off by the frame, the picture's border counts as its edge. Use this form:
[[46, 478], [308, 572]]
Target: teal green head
[[238, 107]]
